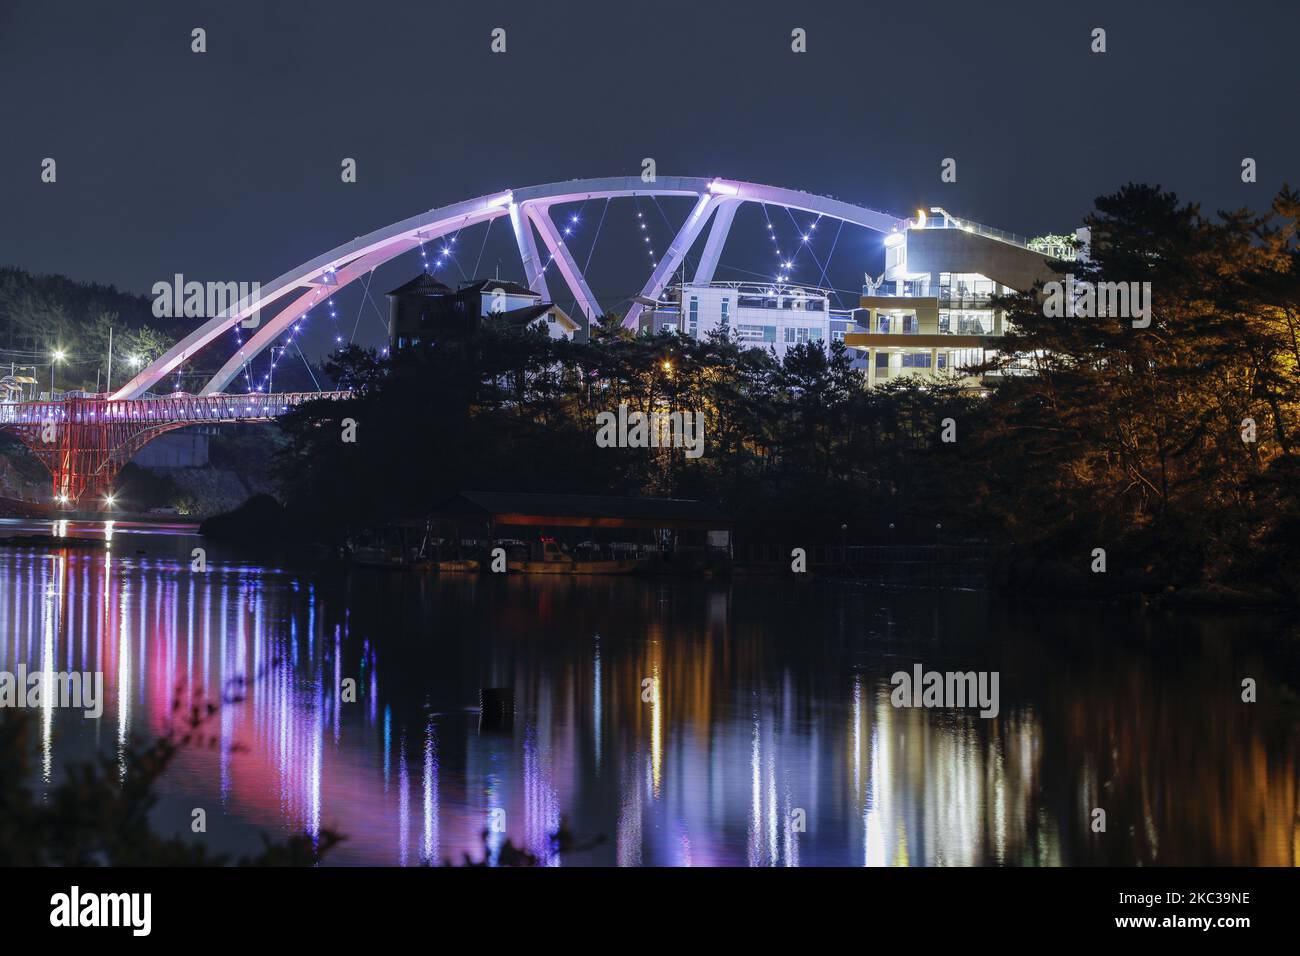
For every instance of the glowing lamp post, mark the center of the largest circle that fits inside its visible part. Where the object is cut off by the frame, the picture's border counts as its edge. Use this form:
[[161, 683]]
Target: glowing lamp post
[[57, 356]]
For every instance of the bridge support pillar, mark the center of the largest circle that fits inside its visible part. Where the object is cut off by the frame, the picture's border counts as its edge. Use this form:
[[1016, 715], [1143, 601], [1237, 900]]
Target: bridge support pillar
[[668, 263], [717, 239], [534, 270], [582, 295]]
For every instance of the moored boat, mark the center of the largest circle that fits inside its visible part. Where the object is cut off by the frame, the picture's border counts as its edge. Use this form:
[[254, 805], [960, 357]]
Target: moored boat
[[461, 565], [555, 560]]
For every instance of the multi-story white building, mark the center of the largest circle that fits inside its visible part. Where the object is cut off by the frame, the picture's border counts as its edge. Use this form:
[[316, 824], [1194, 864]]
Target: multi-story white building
[[930, 313], [931, 310], [763, 315]]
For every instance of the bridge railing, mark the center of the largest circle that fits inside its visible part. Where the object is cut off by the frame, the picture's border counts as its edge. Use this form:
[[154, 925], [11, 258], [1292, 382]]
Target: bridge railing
[[172, 408]]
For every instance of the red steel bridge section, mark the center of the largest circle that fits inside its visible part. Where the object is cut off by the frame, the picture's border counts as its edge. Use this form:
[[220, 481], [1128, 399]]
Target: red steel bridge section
[[84, 442]]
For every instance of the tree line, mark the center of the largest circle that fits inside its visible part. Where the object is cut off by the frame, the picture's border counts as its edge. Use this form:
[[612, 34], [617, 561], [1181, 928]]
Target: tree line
[[1170, 447], [43, 313]]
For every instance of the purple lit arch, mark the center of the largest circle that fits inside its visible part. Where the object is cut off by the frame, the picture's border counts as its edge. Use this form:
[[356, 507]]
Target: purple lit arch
[[528, 210]]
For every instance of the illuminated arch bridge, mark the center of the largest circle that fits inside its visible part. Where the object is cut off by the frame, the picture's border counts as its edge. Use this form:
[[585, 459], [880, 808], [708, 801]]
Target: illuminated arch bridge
[[108, 431]]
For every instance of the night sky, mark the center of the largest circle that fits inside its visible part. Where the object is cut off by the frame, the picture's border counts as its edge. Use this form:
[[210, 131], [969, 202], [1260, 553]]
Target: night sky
[[226, 165]]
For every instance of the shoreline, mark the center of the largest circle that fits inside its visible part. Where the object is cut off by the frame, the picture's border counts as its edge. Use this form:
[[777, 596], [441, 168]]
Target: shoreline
[[1166, 598]]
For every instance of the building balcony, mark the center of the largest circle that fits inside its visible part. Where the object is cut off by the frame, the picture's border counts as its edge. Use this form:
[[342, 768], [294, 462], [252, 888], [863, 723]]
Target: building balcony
[[918, 340]]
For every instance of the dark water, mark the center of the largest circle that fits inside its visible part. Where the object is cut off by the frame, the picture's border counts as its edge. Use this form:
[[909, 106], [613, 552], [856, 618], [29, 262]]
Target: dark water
[[771, 739]]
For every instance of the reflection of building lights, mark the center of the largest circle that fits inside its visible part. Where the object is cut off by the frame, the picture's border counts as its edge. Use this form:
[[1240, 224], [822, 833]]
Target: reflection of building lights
[[656, 736], [596, 702], [51, 618]]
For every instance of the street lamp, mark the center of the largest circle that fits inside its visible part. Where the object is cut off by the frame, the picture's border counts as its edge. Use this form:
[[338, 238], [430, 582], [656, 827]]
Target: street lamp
[[57, 356]]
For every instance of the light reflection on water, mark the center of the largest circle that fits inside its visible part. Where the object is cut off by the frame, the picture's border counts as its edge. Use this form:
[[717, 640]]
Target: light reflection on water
[[689, 723]]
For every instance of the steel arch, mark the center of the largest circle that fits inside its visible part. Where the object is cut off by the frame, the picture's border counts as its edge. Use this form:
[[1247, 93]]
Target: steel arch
[[528, 208]]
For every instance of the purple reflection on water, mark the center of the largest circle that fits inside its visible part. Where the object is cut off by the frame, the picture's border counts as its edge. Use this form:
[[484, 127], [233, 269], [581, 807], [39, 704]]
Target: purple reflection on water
[[757, 747]]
